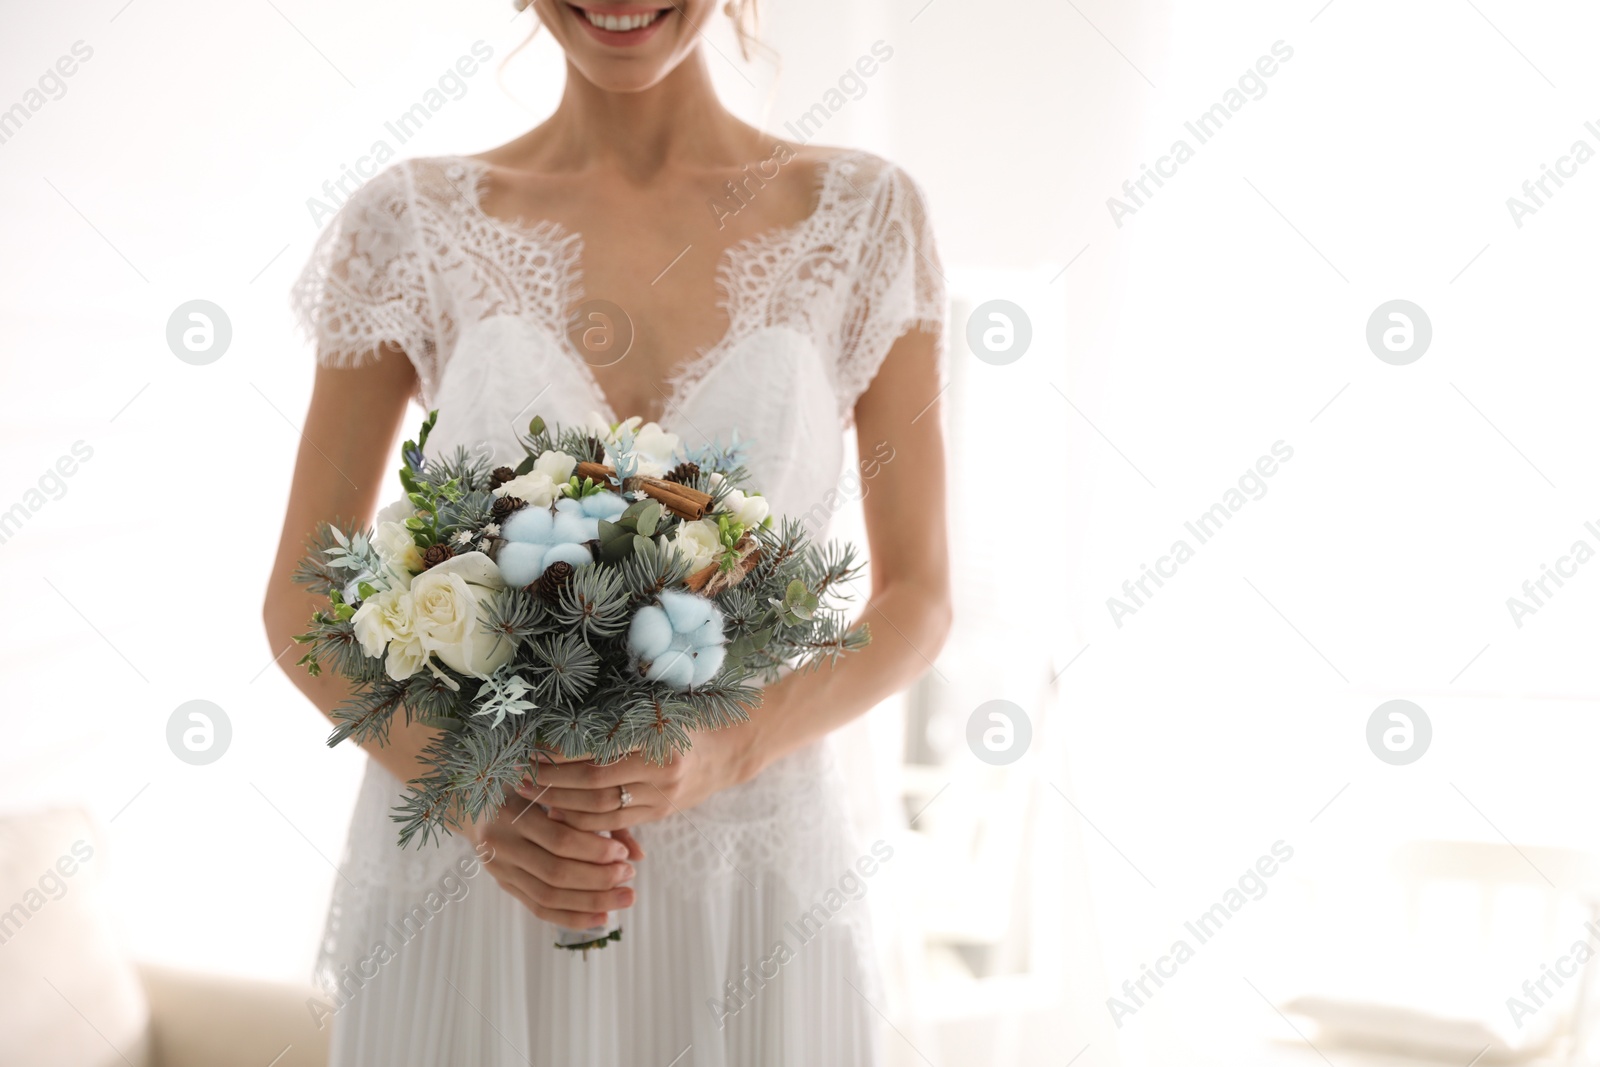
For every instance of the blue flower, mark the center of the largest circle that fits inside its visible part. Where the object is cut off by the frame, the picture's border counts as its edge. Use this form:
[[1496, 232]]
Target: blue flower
[[537, 537], [678, 641]]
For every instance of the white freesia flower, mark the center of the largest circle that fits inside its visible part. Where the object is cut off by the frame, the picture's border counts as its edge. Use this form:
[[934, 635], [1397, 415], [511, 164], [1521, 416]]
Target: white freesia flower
[[397, 551], [555, 465], [698, 542], [447, 603], [748, 511], [382, 618], [399, 511], [384, 622], [535, 487], [755, 511], [654, 448], [406, 657]]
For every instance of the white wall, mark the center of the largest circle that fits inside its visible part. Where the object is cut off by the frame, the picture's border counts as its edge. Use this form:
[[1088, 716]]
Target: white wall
[[1225, 315]]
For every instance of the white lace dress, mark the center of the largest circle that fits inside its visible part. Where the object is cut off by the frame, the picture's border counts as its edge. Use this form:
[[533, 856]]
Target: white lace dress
[[426, 961]]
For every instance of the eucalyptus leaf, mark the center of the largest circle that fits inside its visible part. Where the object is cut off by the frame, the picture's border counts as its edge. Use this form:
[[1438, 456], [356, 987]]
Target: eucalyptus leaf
[[649, 519]]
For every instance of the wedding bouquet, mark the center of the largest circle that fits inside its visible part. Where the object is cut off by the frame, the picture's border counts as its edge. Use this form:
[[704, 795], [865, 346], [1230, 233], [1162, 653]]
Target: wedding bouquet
[[611, 594]]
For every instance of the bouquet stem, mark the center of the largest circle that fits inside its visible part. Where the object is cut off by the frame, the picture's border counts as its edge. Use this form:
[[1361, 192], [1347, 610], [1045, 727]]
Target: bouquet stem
[[593, 936]]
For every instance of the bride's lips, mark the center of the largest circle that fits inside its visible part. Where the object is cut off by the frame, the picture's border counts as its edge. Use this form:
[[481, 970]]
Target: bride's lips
[[622, 38]]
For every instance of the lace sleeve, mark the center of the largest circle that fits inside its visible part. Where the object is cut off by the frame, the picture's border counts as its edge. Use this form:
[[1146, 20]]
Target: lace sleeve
[[899, 285], [366, 283]]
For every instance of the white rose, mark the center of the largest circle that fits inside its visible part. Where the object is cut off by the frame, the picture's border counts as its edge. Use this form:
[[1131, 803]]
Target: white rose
[[381, 619], [535, 487], [698, 542], [397, 551], [447, 603], [556, 465]]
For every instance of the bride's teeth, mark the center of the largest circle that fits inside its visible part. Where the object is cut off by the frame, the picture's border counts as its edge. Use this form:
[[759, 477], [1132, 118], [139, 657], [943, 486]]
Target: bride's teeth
[[620, 23]]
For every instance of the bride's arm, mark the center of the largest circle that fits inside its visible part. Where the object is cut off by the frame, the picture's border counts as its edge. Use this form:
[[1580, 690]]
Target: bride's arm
[[566, 877], [350, 430], [908, 610]]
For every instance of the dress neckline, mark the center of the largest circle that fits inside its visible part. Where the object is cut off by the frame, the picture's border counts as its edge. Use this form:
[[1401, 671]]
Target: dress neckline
[[688, 374]]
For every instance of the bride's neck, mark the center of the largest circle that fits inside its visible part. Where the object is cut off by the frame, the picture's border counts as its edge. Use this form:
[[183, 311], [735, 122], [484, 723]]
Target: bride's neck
[[677, 122]]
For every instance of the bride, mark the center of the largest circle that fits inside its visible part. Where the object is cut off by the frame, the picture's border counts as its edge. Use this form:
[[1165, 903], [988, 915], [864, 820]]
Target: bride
[[641, 253]]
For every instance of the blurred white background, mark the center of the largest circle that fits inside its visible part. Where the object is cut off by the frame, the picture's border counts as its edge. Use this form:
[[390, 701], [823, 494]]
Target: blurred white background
[[1228, 313]]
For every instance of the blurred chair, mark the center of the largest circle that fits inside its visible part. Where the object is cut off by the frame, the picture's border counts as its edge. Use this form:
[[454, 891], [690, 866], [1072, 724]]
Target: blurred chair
[[1433, 1002], [70, 997]]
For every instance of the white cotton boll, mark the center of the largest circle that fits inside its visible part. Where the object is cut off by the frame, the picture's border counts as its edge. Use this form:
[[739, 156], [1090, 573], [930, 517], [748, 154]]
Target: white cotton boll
[[650, 633], [574, 528], [568, 552], [707, 662], [603, 506], [687, 611], [529, 524], [674, 670], [520, 562], [706, 635]]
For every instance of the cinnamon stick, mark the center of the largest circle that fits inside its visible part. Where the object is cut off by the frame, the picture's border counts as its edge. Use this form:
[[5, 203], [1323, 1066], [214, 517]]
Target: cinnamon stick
[[682, 500]]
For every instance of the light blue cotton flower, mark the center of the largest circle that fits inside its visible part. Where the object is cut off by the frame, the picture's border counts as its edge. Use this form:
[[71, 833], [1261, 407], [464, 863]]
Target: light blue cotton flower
[[678, 642], [537, 537]]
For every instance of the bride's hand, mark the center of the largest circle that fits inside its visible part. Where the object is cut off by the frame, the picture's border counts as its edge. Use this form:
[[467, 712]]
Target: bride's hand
[[563, 875], [589, 797]]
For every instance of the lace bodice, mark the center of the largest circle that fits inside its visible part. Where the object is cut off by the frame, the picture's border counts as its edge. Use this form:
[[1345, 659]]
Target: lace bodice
[[479, 304], [413, 261]]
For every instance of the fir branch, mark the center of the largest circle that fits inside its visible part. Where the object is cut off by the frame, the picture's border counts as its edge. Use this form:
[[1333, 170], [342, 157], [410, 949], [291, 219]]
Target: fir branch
[[595, 602], [517, 616], [565, 668], [365, 713]]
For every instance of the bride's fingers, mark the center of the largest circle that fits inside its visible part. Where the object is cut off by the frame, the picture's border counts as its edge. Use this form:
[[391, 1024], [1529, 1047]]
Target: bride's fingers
[[585, 775], [561, 838], [635, 850], [596, 800], [526, 859], [572, 920], [614, 821]]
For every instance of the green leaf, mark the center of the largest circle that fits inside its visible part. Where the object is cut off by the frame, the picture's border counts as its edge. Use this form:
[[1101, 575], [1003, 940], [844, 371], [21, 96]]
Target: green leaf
[[526, 465], [427, 428], [366, 590], [419, 501], [642, 544], [414, 523], [648, 519], [536, 427]]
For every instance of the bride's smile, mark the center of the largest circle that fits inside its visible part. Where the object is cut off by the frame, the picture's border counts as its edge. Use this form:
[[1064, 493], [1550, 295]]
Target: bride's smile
[[621, 25]]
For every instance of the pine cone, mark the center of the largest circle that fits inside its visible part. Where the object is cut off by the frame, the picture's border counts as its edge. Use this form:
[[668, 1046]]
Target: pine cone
[[500, 476], [684, 473], [596, 449], [504, 506], [548, 585], [436, 554]]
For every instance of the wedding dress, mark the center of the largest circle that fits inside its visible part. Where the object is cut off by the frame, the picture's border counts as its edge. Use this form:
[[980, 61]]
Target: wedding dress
[[426, 961]]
